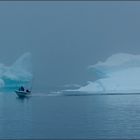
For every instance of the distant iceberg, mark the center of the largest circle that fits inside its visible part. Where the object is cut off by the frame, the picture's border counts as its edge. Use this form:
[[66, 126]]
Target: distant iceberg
[[19, 73], [120, 73]]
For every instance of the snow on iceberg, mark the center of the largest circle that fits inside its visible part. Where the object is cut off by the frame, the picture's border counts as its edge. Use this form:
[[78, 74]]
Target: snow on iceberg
[[120, 73], [19, 72]]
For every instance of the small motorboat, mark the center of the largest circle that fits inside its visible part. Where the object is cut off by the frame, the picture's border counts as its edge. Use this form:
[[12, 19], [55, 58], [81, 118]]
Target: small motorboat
[[23, 93]]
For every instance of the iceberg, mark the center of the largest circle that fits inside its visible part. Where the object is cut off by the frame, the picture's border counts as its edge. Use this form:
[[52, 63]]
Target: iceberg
[[120, 73], [19, 73]]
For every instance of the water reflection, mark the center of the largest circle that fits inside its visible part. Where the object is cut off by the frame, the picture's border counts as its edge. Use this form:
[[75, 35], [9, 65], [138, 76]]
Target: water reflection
[[23, 99]]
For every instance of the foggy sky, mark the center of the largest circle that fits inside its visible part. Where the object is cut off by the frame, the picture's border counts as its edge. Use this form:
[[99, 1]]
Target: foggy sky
[[66, 37]]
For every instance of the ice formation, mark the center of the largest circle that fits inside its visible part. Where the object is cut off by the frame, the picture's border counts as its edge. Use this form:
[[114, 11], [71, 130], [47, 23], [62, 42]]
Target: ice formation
[[20, 72], [120, 73]]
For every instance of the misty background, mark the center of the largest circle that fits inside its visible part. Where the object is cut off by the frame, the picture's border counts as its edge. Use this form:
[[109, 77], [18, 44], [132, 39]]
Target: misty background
[[66, 37]]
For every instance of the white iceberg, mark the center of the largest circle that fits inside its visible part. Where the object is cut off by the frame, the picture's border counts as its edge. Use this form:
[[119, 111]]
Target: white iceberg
[[120, 73]]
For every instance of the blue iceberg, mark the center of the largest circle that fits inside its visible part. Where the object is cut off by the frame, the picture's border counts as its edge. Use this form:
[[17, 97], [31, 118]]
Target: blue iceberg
[[19, 73]]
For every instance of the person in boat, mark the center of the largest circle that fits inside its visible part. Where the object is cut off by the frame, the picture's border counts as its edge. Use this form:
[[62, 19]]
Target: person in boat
[[27, 90], [21, 88]]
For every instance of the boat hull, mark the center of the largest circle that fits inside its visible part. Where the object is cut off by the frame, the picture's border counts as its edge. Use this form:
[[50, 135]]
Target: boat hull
[[22, 93]]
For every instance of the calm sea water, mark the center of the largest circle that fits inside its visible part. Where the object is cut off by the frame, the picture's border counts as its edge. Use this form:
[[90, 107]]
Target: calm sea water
[[46, 116]]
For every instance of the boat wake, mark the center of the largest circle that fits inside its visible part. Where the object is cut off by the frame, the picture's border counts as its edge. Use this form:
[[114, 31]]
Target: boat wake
[[77, 93]]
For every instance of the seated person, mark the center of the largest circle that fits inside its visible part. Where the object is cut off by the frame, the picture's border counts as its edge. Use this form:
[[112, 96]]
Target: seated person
[[21, 88], [27, 90]]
